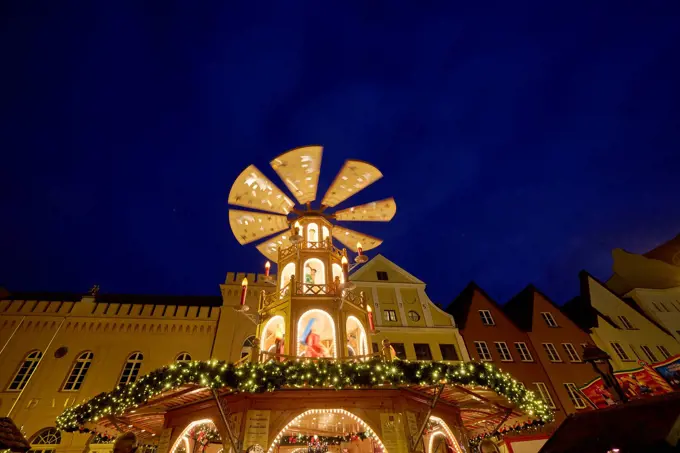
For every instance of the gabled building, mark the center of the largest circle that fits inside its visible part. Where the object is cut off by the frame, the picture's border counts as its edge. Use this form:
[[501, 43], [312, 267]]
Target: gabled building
[[491, 336], [403, 313], [618, 327], [558, 343]]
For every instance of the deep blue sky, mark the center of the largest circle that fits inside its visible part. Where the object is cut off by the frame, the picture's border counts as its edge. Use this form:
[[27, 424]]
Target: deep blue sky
[[522, 143]]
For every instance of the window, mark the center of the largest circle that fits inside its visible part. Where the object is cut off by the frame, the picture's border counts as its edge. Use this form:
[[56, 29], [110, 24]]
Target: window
[[448, 352], [184, 357], [247, 346], [413, 316], [390, 315], [545, 394], [46, 441], [552, 352], [25, 371], [503, 351], [571, 352], [575, 396], [664, 352], [664, 307], [375, 348], [422, 351], [399, 350], [632, 348], [483, 351], [382, 275], [648, 352], [523, 350], [549, 319], [487, 320], [131, 368], [625, 323], [620, 352], [78, 371]]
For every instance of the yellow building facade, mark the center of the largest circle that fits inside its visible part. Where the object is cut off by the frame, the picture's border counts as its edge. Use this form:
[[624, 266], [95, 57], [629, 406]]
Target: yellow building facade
[[626, 334], [60, 350]]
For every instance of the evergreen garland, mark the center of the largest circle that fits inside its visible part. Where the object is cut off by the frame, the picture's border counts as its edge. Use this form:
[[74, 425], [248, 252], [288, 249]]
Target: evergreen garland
[[302, 439], [270, 376]]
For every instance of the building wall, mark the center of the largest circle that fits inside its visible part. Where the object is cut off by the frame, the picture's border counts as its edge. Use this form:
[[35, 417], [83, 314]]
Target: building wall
[[567, 370], [504, 330], [662, 305], [644, 332]]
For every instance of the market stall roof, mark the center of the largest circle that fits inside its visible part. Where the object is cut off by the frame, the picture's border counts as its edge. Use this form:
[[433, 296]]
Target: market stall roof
[[485, 396], [639, 426], [11, 438]]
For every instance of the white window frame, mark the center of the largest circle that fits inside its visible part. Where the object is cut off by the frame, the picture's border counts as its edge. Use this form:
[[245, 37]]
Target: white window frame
[[544, 394], [76, 377], [25, 371], [486, 317], [648, 352], [503, 351], [47, 440], [388, 315], [575, 395], [134, 361], [664, 352], [571, 352], [523, 351], [183, 357], [483, 351], [549, 319], [625, 322], [551, 352], [620, 352]]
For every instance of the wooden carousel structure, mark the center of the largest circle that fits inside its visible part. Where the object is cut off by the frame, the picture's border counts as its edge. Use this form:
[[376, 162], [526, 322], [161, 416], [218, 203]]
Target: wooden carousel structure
[[311, 363]]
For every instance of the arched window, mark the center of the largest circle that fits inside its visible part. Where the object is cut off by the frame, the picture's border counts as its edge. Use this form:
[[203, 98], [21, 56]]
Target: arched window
[[316, 334], [274, 328], [314, 274], [25, 371], [131, 368], [312, 235], [337, 272], [183, 357], [46, 441], [287, 271], [247, 345], [325, 233], [357, 344], [78, 371]]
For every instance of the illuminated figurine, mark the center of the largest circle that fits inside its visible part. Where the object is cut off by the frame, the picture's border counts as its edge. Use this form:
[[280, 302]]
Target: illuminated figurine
[[310, 277], [313, 342]]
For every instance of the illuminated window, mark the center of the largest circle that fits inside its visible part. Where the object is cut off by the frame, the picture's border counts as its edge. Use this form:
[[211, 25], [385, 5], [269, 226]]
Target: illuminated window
[[382, 275], [487, 320], [483, 351], [131, 368], [78, 372], [503, 351], [448, 352], [523, 350], [545, 394], [357, 343], [552, 352], [183, 357], [25, 371], [575, 396], [571, 352], [422, 351], [390, 315]]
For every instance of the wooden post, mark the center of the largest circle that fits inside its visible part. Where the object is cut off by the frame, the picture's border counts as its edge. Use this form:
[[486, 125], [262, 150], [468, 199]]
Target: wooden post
[[292, 286]]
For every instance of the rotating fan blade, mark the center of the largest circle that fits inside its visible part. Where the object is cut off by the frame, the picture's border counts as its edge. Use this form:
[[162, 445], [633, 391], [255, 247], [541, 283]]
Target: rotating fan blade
[[299, 170], [375, 211], [254, 190], [354, 176], [270, 247], [349, 239], [250, 226]]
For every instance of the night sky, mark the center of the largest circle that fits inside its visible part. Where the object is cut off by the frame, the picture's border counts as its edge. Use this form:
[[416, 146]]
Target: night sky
[[522, 143]]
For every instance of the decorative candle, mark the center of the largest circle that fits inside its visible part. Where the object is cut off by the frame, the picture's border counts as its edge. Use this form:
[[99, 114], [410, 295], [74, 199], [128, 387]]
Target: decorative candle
[[267, 265], [297, 228], [244, 290], [359, 248], [370, 318], [345, 269]]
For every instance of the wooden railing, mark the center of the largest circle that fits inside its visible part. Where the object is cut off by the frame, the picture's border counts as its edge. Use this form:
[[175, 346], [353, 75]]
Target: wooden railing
[[297, 288], [326, 244], [267, 356]]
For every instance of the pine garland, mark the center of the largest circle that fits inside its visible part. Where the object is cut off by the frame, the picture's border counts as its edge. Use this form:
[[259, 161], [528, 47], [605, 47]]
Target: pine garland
[[329, 440], [270, 376]]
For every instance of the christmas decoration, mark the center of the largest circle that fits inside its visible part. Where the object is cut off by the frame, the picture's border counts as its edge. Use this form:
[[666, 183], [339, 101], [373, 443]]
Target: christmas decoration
[[202, 435], [302, 439], [270, 376]]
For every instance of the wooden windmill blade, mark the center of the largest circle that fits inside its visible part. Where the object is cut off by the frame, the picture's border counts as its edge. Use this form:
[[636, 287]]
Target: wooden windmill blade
[[299, 170], [252, 189], [249, 226], [270, 247], [350, 238], [353, 177], [375, 211]]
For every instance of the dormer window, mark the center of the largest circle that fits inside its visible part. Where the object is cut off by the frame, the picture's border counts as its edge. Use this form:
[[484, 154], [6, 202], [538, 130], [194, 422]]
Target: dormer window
[[549, 319], [487, 320], [382, 275]]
